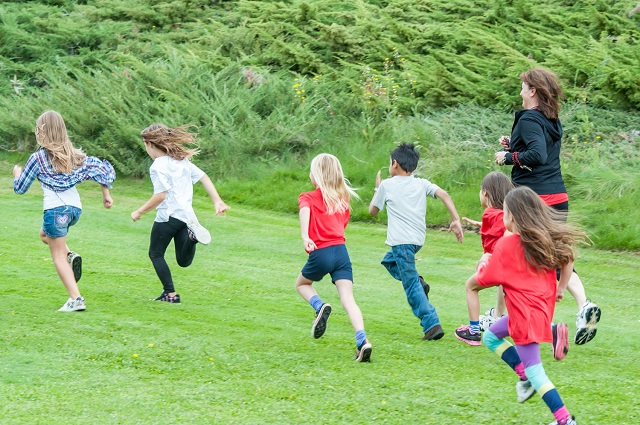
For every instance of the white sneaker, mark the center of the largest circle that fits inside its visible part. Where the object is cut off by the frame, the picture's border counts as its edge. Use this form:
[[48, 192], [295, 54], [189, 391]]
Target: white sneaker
[[524, 390], [198, 233], [487, 319], [74, 305], [586, 322], [570, 421]]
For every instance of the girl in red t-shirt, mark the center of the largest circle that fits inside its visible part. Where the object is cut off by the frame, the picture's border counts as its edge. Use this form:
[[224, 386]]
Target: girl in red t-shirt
[[324, 214], [525, 264], [493, 189]]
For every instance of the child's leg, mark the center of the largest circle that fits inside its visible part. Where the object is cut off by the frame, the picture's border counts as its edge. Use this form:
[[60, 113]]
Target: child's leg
[[59, 250], [473, 300], [501, 307], [305, 288], [161, 235], [576, 289], [345, 290], [530, 355], [494, 339], [184, 245], [401, 264], [323, 310]]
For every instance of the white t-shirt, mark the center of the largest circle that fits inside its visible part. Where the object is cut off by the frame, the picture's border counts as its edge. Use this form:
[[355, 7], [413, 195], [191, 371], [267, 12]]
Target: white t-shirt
[[406, 201], [177, 179], [59, 199]]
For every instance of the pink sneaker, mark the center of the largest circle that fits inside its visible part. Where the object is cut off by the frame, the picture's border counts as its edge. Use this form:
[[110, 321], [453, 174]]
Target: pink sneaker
[[463, 333], [560, 340]]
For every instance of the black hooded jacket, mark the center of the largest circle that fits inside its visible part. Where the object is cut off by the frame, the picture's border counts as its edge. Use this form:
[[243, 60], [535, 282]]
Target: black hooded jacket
[[535, 153]]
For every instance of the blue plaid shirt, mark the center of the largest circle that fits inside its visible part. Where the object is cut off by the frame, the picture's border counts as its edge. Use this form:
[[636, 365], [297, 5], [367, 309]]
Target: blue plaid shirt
[[39, 166]]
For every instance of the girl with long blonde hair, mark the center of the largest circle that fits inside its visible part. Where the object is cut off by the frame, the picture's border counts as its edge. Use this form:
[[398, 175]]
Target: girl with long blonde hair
[[173, 176], [525, 264], [324, 215], [59, 166]]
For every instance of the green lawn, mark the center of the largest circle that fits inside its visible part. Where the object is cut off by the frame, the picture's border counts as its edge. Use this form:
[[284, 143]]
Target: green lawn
[[239, 351]]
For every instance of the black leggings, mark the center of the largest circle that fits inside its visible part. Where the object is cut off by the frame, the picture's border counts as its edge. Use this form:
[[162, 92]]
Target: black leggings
[[161, 235]]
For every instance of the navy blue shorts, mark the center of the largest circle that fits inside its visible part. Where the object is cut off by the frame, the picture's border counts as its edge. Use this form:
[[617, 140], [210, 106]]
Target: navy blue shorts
[[332, 260]]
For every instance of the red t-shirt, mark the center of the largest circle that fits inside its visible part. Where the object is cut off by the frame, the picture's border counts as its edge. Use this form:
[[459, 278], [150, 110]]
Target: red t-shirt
[[325, 230], [492, 228], [555, 198], [530, 294]]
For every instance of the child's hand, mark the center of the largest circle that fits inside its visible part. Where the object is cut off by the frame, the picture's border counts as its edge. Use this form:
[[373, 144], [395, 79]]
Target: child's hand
[[309, 245], [472, 222], [456, 228], [378, 179], [17, 170], [221, 207], [559, 296], [107, 201], [136, 215]]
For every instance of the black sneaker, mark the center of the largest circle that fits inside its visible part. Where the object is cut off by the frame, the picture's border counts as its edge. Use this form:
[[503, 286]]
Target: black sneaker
[[167, 298], [75, 261], [433, 334], [320, 324], [363, 353], [463, 333], [425, 286]]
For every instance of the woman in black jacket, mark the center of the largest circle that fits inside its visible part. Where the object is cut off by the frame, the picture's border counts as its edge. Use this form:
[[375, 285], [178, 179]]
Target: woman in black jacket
[[534, 151]]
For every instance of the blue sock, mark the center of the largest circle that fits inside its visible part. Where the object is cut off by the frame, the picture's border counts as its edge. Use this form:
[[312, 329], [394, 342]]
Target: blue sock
[[316, 303], [361, 338], [474, 326]]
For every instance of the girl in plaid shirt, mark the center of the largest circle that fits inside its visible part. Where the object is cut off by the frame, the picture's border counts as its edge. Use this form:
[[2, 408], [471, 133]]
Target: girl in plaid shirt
[[59, 166]]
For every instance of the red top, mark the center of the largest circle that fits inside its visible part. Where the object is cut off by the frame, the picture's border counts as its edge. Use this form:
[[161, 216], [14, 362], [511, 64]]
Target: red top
[[530, 294], [325, 230], [492, 228]]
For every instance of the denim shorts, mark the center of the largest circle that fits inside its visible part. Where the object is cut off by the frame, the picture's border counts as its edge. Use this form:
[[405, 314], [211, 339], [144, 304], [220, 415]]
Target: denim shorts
[[331, 259], [57, 220]]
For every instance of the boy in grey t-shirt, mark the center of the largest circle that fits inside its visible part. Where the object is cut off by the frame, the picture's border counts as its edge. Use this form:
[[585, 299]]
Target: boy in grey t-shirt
[[406, 199]]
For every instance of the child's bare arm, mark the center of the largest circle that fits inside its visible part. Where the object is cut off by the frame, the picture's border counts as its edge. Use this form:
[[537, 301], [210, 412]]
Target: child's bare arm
[[472, 222], [565, 275], [305, 216], [107, 201], [221, 207], [375, 210], [151, 204], [455, 226]]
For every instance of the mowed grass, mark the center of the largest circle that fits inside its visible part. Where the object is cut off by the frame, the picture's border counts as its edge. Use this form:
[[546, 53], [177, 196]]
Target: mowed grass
[[239, 350]]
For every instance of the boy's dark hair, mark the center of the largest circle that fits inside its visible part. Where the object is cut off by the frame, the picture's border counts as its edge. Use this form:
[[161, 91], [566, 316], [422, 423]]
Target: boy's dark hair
[[407, 156]]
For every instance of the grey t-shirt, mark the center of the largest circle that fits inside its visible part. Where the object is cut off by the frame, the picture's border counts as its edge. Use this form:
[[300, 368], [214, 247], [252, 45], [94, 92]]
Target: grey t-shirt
[[406, 201]]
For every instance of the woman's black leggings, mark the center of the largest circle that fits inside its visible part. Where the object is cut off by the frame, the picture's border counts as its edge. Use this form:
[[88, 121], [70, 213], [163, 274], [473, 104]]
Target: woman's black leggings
[[161, 235]]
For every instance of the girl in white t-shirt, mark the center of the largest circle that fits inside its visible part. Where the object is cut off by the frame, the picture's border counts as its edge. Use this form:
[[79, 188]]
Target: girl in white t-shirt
[[59, 166], [173, 176]]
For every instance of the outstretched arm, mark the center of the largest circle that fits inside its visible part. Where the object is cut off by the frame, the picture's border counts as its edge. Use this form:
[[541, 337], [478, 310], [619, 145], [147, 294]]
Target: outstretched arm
[[472, 222], [151, 204], [455, 225], [373, 210], [221, 207], [107, 201]]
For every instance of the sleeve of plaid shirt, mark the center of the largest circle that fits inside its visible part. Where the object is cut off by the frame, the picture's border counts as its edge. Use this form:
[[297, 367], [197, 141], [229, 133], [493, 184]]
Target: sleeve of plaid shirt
[[22, 183]]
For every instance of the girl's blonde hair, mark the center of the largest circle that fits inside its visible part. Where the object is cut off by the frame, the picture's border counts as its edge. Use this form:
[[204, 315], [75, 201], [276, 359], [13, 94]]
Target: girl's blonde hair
[[497, 185], [51, 134], [336, 192], [547, 239], [171, 141]]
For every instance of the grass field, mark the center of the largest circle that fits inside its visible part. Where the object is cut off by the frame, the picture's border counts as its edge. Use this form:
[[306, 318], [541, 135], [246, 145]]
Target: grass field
[[239, 351]]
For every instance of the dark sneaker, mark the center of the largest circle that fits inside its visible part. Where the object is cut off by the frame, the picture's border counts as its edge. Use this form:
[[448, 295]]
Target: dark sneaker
[[198, 232], [320, 324], [560, 340], [433, 334], [75, 261], [463, 333], [170, 299], [363, 353], [586, 322], [425, 286]]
